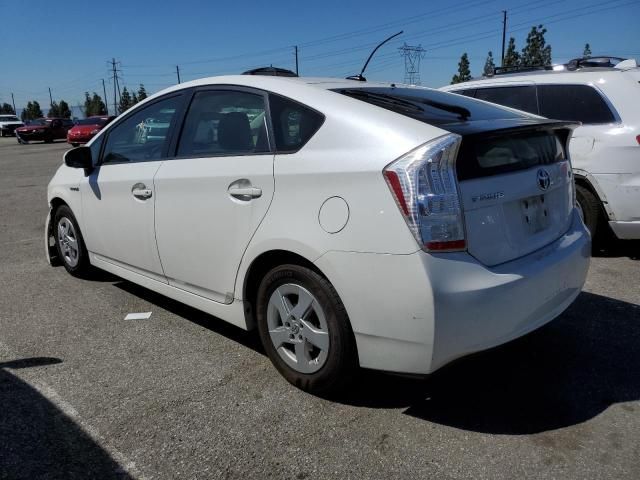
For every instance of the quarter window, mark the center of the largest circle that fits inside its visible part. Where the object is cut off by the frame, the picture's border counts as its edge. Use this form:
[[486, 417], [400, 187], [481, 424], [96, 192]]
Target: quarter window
[[224, 122], [293, 123], [521, 98], [143, 135], [580, 103]]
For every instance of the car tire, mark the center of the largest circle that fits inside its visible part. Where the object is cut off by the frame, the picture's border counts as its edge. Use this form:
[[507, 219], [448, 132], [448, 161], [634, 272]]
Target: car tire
[[591, 212], [75, 144], [314, 350], [70, 246], [48, 139]]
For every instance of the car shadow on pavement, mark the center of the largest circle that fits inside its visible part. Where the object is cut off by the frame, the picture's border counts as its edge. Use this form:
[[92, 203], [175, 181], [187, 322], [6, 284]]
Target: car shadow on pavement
[[620, 248], [38, 440], [214, 324], [564, 374]]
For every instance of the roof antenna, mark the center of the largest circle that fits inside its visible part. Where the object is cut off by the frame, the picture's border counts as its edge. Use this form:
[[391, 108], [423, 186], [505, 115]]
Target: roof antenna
[[359, 77]]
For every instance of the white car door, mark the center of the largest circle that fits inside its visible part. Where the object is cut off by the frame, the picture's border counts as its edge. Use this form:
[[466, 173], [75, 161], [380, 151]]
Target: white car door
[[118, 197], [213, 195]]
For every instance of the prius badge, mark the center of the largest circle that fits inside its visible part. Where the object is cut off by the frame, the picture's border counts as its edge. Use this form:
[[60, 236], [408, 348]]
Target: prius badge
[[544, 180]]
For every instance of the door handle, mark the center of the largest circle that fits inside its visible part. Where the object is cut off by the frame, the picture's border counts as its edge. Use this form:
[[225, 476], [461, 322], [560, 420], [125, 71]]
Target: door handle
[[141, 192], [245, 193]]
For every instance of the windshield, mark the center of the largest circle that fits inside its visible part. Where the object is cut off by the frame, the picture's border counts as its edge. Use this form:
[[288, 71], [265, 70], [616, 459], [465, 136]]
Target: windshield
[[92, 121], [431, 106], [39, 121], [8, 119]]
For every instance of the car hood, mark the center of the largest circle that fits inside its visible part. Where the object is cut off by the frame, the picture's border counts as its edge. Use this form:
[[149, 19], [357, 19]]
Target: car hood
[[31, 127], [85, 128]]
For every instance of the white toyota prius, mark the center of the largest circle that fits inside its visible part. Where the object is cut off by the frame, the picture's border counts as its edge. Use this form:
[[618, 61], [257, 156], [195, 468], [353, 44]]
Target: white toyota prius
[[354, 224]]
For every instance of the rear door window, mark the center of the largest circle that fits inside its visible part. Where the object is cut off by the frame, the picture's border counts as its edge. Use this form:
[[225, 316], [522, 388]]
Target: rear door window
[[580, 103], [520, 97]]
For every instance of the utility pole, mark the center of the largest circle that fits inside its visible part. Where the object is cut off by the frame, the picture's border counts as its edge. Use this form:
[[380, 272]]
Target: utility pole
[[412, 56], [13, 101], [296, 54], [106, 103], [504, 34], [50, 97], [178, 72], [116, 85]]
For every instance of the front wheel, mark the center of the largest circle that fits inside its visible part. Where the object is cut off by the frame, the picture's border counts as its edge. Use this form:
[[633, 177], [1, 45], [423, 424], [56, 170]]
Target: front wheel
[[69, 242], [305, 330]]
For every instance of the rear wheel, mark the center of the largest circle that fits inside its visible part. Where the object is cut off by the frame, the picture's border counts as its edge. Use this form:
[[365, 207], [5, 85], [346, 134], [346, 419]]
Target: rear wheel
[[69, 242], [590, 210], [75, 144], [305, 329]]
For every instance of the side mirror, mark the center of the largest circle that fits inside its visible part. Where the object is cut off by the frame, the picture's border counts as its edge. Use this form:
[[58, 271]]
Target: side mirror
[[79, 157]]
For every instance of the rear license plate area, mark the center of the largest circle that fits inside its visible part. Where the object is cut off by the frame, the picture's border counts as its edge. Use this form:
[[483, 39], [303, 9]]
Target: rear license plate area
[[535, 213]]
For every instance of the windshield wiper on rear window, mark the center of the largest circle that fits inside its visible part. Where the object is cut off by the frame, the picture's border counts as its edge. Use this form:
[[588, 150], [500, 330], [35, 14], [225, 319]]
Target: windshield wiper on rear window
[[463, 112], [383, 98], [412, 105]]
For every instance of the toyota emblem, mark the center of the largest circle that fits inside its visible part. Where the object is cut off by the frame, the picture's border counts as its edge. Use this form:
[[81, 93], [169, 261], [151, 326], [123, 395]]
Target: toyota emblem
[[544, 180]]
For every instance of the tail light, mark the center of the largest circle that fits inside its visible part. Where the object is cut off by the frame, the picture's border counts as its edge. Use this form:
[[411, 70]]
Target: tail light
[[424, 185]]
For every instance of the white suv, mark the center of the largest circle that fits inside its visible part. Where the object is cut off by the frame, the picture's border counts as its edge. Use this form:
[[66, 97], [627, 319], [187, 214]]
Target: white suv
[[605, 150], [8, 125], [353, 223]]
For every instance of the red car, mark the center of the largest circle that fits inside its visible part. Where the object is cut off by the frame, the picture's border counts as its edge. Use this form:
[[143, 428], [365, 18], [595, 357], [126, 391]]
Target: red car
[[44, 129], [85, 129]]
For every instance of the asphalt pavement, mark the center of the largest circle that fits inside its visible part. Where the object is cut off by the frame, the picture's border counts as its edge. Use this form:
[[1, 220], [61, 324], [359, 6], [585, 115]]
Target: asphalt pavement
[[86, 394]]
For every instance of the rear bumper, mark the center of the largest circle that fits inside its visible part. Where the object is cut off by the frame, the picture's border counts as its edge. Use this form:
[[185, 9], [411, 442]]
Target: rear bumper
[[415, 313], [626, 230]]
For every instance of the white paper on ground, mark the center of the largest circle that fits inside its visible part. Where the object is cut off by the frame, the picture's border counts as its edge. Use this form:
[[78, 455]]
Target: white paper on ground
[[138, 316]]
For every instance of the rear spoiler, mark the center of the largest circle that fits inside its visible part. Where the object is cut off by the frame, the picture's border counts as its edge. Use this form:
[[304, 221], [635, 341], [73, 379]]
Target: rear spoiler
[[499, 127]]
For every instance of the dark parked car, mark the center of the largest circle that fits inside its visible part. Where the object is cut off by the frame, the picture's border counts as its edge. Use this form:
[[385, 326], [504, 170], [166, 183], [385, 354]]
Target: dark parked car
[[44, 129], [86, 128]]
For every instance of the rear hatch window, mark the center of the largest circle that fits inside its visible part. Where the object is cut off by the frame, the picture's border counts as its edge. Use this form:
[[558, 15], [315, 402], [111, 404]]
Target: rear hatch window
[[431, 106]]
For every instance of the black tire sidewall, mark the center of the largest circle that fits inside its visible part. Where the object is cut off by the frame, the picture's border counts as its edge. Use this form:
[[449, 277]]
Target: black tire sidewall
[[341, 360], [590, 209], [83, 265]]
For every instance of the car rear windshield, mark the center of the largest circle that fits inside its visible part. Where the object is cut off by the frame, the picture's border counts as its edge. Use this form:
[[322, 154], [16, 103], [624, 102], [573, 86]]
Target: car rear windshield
[[430, 106], [482, 156]]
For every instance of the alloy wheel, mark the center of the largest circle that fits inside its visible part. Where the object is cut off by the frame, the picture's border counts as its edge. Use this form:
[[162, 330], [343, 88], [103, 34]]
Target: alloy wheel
[[298, 328]]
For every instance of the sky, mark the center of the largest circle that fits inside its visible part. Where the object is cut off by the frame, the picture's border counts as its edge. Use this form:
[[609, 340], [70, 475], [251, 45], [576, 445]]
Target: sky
[[68, 46]]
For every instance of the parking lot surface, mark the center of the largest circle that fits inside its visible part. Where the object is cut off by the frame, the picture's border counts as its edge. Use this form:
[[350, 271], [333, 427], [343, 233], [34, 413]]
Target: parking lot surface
[[84, 393]]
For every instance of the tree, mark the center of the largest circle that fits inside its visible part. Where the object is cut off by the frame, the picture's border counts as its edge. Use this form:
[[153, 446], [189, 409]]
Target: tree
[[32, 111], [54, 110], [134, 98], [142, 93], [7, 109], [93, 105], [464, 73], [489, 65], [536, 52], [126, 101], [587, 51], [512, 57], [63, 109]]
